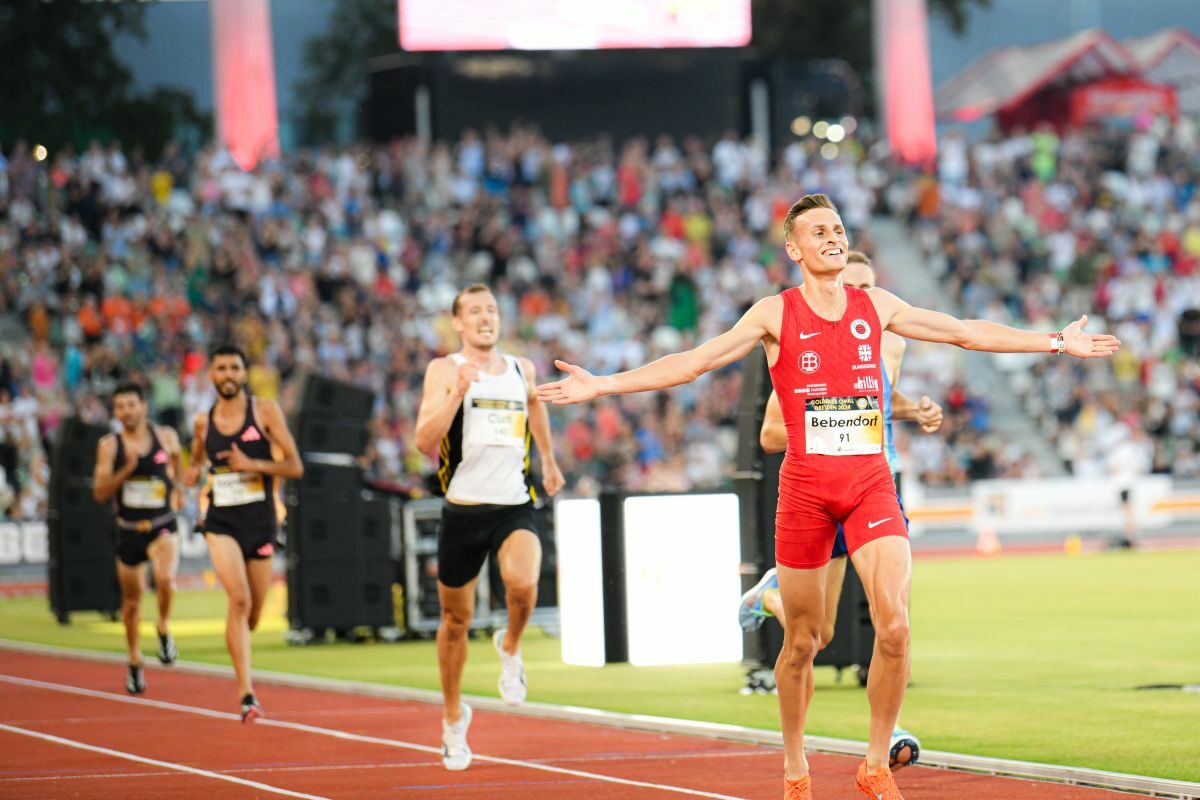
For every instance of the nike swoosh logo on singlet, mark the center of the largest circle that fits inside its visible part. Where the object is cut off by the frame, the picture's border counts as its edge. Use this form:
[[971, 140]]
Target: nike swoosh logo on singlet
[[878, 522], [809, 335]]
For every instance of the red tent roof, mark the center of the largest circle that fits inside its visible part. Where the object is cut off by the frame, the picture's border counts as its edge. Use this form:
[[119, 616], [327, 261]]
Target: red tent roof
[[1007, 76]]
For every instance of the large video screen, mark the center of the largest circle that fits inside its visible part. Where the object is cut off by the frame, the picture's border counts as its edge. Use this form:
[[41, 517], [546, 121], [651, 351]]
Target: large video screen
[[572, 24]]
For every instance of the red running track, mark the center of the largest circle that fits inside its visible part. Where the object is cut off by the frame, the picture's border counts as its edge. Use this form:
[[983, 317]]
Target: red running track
[[68, 730]]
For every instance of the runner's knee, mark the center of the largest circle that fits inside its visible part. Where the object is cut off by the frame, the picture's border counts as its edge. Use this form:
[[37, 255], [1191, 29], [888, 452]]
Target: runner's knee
[[239, 604], [521, 591], [799, 648], [891, 634], [455, 623]]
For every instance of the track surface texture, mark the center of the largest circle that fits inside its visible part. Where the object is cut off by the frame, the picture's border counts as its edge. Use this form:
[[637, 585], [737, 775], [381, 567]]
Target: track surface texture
[[68, 730]]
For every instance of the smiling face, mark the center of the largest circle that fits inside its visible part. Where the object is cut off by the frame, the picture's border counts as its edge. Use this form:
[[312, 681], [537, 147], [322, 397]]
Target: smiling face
[[228, 374], [818, 242], [478, 320]]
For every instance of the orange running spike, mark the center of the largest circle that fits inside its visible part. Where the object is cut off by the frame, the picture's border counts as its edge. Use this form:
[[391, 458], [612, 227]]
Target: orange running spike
[[877, 785]]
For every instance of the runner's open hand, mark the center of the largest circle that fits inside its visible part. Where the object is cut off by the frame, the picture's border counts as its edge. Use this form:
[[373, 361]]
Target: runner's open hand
[[579, 386], [1088, 345]]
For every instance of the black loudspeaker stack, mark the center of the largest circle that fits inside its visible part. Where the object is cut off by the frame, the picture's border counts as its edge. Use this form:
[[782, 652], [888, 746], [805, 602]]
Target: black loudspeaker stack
[[340, 566], [82, 564], [340, 569], [332, 417], [757, 485]]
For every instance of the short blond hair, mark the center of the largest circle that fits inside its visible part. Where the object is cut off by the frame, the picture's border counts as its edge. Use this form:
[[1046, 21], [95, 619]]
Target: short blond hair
[[474, 288], [801, 207], [859, 257]]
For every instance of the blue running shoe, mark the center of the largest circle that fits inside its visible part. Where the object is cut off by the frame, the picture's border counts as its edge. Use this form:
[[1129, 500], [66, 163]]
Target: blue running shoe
[[905, 750], [751, 612]]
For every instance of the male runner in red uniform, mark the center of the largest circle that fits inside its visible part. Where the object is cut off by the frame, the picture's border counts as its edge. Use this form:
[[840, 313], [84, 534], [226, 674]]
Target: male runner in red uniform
[[816, 337]]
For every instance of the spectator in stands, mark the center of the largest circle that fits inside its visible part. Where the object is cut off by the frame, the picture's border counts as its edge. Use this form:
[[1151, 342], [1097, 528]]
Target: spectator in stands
[[344, 259]]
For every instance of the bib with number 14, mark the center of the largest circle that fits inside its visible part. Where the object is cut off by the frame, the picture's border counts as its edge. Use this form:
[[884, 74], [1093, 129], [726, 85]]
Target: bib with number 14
[[497, 423]]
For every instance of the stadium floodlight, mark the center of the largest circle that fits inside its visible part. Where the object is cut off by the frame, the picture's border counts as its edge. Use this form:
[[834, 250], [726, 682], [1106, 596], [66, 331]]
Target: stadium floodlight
[[836, 133], [829, 151], [801, 126], [40, 152], [821, 129]]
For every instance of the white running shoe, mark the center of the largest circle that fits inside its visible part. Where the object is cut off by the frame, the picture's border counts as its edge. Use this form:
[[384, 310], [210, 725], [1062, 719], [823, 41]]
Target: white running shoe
[[512, 672], [456, 754]]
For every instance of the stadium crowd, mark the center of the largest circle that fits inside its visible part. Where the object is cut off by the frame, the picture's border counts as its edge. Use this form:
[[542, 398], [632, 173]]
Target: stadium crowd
[[345, 260], [1034, 228]]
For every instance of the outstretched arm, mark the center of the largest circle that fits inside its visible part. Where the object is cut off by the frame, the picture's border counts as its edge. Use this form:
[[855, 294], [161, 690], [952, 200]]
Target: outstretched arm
[[757, 324], [977, 334]]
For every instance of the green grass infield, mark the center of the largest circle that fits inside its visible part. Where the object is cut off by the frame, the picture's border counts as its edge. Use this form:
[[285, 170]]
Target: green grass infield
[[1034, 658]]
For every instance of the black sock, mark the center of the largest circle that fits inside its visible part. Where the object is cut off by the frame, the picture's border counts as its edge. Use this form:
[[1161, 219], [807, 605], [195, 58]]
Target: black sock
[[248, 700]]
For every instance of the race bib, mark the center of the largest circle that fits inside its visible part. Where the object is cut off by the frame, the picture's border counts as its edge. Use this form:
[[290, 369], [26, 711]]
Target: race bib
[[143, 492], [497, 423], [237, 488], [843, 426]]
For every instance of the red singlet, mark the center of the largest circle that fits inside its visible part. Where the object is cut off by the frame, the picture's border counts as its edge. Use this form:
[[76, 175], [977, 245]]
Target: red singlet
[[829, 379]]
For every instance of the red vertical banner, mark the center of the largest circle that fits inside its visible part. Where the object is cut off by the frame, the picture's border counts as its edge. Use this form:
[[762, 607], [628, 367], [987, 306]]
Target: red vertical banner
[[244, 67], [902, 64]]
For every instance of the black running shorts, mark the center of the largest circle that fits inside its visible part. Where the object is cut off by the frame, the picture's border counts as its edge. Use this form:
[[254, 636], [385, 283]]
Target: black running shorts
[[469, 533], [133, 547], [255, 544]]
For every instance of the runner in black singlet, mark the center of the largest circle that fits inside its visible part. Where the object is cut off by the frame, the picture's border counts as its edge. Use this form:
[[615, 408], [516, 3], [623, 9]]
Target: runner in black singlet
[[136, 469], [248, 449]]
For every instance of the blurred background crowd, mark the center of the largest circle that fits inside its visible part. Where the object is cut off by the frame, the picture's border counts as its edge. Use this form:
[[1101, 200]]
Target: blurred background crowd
[[603, 252]]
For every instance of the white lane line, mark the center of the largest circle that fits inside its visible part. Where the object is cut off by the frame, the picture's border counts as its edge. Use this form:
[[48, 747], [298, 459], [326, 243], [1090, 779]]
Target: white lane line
[[240, 771], [355, 737], [393, 765], [156, 763]]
